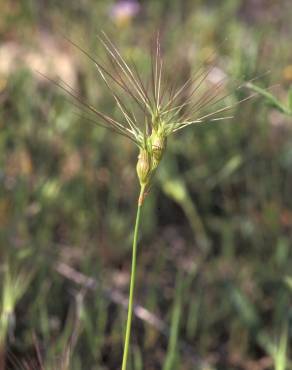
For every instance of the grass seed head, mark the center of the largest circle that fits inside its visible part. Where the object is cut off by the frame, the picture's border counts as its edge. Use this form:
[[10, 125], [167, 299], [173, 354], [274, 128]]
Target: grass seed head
[[164, 109]]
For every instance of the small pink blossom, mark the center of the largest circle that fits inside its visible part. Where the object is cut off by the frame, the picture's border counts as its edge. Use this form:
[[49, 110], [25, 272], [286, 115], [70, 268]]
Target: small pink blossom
[[124, 10]]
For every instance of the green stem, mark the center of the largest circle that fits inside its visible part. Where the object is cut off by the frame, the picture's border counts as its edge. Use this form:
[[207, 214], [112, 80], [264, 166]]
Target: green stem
[[132, 280]]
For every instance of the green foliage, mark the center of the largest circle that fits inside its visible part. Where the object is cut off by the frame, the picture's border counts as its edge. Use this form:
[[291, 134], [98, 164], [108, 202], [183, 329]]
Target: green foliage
[[219, 212], [172, 356], [272, 101], [13, 287]]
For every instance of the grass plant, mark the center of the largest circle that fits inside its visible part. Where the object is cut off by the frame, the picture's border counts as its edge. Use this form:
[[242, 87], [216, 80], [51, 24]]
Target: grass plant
[[164, 110], [13, 286]]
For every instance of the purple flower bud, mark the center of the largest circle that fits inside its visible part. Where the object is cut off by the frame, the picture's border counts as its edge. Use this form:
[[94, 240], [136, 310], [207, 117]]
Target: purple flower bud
[[124, 10]]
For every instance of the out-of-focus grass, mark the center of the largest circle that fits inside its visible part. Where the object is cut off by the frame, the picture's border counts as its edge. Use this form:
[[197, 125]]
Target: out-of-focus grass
[[220, 214]]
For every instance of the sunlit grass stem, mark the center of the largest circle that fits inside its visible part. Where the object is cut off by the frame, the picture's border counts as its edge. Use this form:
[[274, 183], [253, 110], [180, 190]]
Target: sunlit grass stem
[[132, 278]]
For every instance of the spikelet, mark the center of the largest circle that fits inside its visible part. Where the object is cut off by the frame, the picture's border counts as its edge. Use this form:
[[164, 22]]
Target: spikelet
[[144, 167], [158, 146]]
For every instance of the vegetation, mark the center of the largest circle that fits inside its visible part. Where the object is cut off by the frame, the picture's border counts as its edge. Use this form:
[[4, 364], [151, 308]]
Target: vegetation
[[213, 284]]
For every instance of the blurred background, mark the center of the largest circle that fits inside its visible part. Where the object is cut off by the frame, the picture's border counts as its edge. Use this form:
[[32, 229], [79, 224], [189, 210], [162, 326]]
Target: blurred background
[[214, 280]]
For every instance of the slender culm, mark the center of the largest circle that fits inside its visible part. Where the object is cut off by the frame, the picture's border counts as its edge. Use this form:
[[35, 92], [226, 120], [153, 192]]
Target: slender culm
[[132, 279]]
